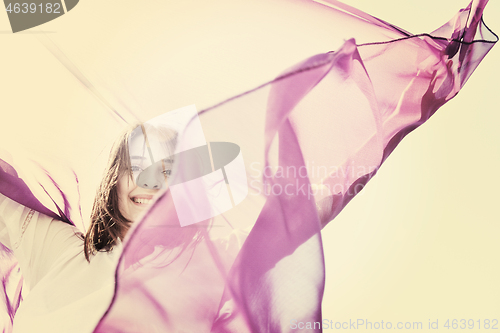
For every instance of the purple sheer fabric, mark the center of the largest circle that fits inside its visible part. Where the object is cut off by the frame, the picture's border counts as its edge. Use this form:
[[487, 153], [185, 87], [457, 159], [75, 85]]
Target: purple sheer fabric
[[12, 282], [16, 189], [345, 110], [311, 139], [11, 278]]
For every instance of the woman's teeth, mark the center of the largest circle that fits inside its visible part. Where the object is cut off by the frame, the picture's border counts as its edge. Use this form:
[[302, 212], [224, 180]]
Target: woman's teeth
[[141, 201]]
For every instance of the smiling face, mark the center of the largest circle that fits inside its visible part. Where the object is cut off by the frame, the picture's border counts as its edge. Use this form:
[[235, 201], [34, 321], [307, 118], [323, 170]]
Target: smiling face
[[133, 200], [150, 151], [119, 201]]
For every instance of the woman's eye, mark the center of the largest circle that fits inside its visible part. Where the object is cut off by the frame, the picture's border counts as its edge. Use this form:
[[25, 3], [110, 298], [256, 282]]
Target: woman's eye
[[166, 172], [136, 168]]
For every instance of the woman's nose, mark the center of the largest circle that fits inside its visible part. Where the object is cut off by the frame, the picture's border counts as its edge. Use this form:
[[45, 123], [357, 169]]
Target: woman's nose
[[150, 179]]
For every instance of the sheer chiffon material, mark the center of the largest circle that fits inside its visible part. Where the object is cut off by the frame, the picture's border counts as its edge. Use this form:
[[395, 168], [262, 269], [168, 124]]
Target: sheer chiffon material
[[311, 139], [345, 110]]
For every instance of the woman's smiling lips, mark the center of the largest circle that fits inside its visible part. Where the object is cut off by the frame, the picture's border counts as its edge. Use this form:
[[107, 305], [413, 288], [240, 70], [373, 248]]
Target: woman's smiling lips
[[142, 200]]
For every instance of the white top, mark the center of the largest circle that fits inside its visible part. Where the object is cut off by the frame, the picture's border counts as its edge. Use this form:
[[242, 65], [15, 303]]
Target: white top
[[62, 291]]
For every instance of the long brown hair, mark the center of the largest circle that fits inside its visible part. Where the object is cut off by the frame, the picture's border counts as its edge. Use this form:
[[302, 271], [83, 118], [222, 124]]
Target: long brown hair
[[107, 223]]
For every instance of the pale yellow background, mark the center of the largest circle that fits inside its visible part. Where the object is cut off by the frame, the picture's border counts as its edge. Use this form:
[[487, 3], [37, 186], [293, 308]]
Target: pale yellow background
[[420, 243]]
